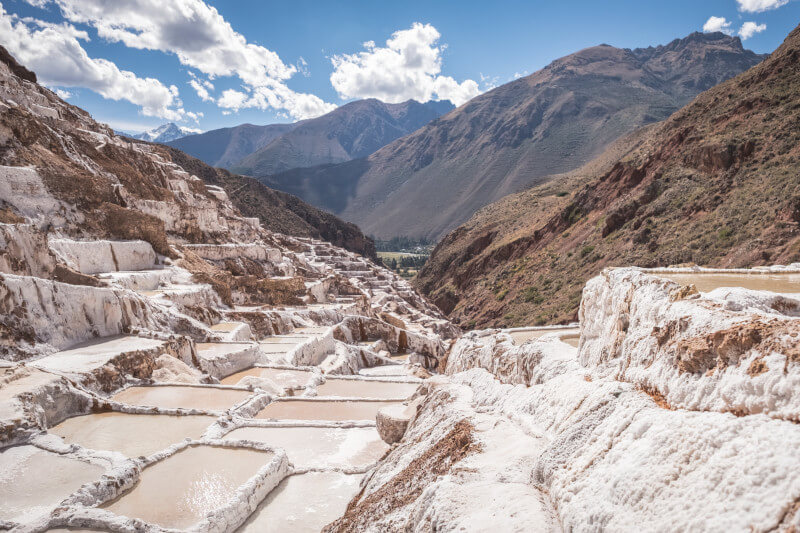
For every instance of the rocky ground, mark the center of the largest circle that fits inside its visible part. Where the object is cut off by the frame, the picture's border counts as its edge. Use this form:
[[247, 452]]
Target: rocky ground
[[168, 364]]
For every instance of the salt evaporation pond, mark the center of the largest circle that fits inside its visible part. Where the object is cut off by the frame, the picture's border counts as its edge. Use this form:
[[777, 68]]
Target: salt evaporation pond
[[351, 388], [322, 410], [33, 480], [129, 434], [520, 337], [315, 447], [173, 397], [304, 503], [282, 376], [705, 282], [179, 491], [572, 340]]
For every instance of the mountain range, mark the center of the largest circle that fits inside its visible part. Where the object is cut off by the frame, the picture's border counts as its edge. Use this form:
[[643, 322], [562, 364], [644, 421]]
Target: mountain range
[[165, 133], [351, 131], [515, 136], [715, 184]]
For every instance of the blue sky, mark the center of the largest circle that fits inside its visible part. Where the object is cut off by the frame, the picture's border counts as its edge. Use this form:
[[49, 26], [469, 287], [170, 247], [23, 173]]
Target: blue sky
[[208, 64]]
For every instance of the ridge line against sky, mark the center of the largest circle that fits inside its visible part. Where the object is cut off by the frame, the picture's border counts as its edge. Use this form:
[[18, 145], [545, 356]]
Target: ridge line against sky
[[138, 63]]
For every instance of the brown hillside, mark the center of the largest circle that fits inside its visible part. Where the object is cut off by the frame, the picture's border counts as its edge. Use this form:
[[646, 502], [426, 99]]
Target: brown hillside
[[716, 184]]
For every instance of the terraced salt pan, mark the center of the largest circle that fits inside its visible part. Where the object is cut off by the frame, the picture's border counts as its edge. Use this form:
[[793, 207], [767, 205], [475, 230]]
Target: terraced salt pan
[[33, 480], [384, 371], [175, 397], [130, 434], [284, 377], [304, 503], [320, 447], [525, 335], [179, 491], [363, 388], [708, 281], [89, 356], [322, 410]]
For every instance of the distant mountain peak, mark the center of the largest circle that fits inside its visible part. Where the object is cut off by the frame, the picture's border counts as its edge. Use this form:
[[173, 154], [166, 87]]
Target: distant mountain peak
[[166, 132]]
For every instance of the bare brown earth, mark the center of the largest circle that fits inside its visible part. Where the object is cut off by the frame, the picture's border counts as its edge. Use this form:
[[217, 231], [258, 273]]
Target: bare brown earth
[[715, 184]]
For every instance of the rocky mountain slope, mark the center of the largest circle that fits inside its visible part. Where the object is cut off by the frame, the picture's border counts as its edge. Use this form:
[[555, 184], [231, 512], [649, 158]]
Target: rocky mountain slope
[[516, 135], [715, 184], [165, 133], [225, 147], [348, 132]]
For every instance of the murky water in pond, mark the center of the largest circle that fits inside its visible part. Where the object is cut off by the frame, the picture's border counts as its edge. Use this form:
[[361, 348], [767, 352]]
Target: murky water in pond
[[520, 337], [225, 326], [132, 435], [572, 340], [33, 480], [182, 489], [304, 503], [208, 398], [320, 447], [282, 376], [366, 389], [322, 410], [759, 282]]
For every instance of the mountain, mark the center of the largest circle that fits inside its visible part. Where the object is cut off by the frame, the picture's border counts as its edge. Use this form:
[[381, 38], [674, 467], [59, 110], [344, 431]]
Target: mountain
[[715, 184], [105, 184], [166, 132], [515, 136], [351, 131], [225, 147], [348, 132]]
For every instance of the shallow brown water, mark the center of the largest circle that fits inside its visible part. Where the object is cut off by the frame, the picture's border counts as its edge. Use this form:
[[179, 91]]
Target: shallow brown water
[[322, 410], [521, 337], [320, 447], [169, 397], [283, 377], [33, 480], [179, 491], [304, 503], [783, 283], [365, 389], [131, 435]]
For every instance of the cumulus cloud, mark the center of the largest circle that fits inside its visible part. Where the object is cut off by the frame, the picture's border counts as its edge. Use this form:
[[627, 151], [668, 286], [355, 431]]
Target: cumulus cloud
[[757, 6], [409, 66], [54, 52], [714, 24], [62, 93], [200, 38], [201, 87], [749, 29]]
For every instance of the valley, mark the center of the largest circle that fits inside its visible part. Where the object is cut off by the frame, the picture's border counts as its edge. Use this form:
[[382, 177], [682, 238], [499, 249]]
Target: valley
[[613, 348]]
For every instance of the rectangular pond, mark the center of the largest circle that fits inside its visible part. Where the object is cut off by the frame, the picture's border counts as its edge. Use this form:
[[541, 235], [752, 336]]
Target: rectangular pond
[[322, 410], [316, 447], [304, 503], [179, 491], [523, 336], [352, 388], [705, 282], [284, 377], [173, 397], [33, 480], [129, 434]]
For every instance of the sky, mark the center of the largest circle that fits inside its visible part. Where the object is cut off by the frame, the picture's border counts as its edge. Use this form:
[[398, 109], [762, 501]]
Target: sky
[[204, 64]]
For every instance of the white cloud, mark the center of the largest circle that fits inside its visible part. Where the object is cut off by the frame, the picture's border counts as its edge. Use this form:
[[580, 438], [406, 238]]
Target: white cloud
[[62, 93], [714, 24], [202, 88], [299, 105], [408, 67], [757, 6], [54, 53], [749, 29], [200, 38], [302, 67]]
